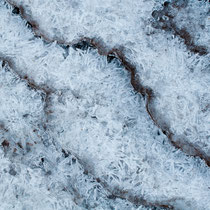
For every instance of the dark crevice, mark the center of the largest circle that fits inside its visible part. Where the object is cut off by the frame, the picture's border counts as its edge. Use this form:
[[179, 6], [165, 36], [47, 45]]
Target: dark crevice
[[163, 19], [118, 193], [5, 143], [178, 142], [33, 25], [44, 90], [16, 11]]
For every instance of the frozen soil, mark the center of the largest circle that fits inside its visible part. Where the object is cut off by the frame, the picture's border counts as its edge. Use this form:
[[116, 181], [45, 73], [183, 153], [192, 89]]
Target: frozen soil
[[75, 131]]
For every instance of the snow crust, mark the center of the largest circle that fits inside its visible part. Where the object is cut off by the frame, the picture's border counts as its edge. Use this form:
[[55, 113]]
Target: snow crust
[[180, 79], [21, 108], [94, 112]]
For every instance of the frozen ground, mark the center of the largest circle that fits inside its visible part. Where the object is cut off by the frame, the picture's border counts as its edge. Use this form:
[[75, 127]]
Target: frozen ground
[[75, 130]]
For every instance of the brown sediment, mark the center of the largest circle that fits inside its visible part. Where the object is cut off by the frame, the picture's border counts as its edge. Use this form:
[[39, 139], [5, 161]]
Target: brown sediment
[[19, 10], [38, 33], [112, 194], [161, 23], [138, 201], [164, 20], [117, 53], [119, 193], [178, 142], [10, 65], [6, 142], [44, 89]]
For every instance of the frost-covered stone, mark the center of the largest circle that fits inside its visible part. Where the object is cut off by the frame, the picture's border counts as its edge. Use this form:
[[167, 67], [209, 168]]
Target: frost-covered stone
[[94, 113], [162, 61], [21, 107]]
